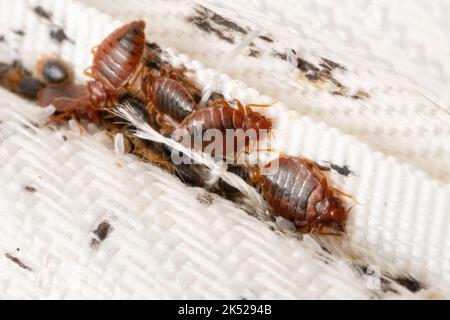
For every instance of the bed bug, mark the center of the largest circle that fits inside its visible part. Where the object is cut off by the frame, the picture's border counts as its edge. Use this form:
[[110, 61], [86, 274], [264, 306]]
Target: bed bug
[[114, 68], [116, 60], [168, 96], [297, 190], [221, 116]]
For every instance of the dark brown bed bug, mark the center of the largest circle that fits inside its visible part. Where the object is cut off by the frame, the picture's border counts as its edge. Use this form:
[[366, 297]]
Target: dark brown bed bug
[[223, 117], [114, 68], [168, 96], [297, 190]]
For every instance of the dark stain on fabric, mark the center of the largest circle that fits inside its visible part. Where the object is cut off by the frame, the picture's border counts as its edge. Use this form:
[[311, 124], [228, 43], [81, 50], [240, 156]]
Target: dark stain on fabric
[[101, 233], [18, 262], [153, 58], [306, 66], [266, 38], [30, 189], [41, 12], [228, 24], [342, 170], [210, 22], [207, 27], [281, 56], [322, 72], [2, 38], [409, 283], [59, 35], [254, 53], [19, 32], [331, 65]]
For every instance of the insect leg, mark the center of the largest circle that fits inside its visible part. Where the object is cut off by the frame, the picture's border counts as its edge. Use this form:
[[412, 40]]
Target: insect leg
[[341, 193], [88, 72], [94, 50]]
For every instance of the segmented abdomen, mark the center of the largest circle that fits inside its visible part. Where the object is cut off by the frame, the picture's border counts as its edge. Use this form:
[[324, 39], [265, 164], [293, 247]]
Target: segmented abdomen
[[119, 55], [289, 189], [172, 98], [221, 118]]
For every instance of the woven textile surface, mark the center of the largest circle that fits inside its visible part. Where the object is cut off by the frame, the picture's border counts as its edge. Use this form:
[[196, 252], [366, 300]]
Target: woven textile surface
[[377, 120]]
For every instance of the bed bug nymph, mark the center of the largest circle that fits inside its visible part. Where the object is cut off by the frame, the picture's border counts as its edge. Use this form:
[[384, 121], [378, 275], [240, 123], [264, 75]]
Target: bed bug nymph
[[168, 97], [297, 190], [114, 68], [223, 117]]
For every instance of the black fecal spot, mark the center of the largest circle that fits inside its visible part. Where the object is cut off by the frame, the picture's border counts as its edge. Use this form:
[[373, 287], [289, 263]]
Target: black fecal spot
[[226, 22], [17, 249], [312, 77], [326, 249], [328, 64], [281, 56], [254, 53], [101, 232], [29, 87], [18, 262], [409, 283], [55, 72], [153, 46], [64, 138], [19, 32], [344, 170], [153, 57], [337, 83], [41, 12], [266, 38], [2, 38], [306, 66], [59, 35], [30, 189], [201, 21]]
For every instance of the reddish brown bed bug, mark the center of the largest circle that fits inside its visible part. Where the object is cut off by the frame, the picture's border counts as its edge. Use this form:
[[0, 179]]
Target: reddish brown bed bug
[[114, 69], [168, 96], [223, 117], [297, 190], [116, 61]]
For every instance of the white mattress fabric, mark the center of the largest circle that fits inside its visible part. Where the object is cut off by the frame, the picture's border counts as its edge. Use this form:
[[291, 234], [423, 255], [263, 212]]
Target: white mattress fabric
[[167, 240]]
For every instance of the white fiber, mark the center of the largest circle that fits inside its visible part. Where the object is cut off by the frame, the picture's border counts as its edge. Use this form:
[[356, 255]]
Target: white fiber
[[226, 61], [218, 168]]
